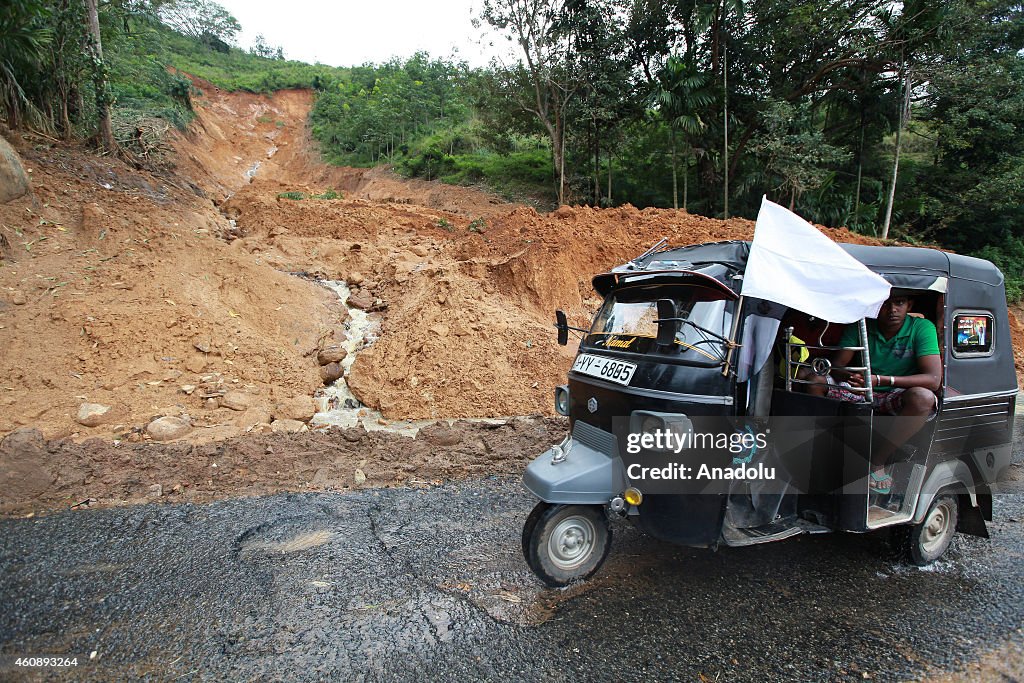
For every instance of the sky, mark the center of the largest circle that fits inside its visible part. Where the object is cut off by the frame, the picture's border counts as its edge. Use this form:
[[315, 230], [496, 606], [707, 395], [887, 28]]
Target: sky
[[349, 32]]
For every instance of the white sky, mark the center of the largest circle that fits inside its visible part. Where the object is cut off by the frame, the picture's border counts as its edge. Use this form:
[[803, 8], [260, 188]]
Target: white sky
[[349, 32]]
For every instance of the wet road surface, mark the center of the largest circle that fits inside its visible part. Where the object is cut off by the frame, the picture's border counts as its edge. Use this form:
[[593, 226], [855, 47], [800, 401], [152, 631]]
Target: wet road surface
[[405, 584]]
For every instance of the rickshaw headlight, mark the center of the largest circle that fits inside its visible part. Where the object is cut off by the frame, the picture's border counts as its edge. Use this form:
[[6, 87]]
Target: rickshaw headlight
[[673, 428], [562, 400]]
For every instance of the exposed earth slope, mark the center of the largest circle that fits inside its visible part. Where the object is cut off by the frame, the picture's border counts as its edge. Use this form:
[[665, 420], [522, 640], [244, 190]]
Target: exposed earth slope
[[122, 286]]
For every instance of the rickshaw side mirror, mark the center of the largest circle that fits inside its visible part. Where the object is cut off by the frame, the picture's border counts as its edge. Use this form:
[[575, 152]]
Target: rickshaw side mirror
[[668, 323], [562, 325]]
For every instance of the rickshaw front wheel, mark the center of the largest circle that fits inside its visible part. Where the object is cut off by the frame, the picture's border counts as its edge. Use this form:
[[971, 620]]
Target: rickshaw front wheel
[[566, 543], [926, 542]]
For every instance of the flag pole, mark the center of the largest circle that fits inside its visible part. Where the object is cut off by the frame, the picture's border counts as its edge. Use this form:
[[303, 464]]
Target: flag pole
[[732, 337]]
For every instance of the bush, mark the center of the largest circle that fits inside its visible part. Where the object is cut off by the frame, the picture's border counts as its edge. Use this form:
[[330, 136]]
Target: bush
[[1009, 258], [295, 196]]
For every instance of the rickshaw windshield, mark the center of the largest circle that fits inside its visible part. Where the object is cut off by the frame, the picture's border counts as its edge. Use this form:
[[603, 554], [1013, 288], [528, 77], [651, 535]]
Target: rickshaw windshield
[[627, 321]]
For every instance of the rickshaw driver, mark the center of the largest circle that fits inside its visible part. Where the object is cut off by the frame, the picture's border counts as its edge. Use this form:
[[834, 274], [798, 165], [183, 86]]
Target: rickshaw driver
[[907, 367]]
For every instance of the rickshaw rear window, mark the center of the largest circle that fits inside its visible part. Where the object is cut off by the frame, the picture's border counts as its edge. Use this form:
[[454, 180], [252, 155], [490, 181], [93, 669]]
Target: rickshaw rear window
[[627, 321]]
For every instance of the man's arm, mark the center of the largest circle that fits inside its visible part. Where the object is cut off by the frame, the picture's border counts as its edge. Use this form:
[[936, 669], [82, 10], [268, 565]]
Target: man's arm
[[929, 375]]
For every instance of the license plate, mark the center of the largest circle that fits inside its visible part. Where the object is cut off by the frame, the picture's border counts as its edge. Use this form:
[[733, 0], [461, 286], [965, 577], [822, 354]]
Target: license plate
[[618, 371]]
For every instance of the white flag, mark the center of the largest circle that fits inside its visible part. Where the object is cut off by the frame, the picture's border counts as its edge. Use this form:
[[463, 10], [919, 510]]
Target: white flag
[[793, 263]]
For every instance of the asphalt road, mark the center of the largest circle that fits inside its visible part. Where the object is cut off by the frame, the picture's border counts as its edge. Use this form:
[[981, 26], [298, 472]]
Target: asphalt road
[[407, 584]]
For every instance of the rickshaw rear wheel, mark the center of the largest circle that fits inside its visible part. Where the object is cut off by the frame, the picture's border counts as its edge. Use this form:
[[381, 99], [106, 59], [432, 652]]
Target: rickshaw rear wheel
[[922, 544], [566, 543]]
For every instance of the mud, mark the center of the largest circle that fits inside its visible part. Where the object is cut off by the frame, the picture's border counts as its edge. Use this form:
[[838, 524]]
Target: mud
[[38, 475]]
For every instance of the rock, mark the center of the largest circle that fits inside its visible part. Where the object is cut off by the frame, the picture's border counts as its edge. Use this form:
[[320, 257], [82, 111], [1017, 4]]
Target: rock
[[301, 408], [212, 403], [359, 477], [195, 364], [288, 426], [155, 491], [13, 179], [355, 278], [236, 400], [92, 414], [187, 389], [563, 212], [361, 299], [253, 417], [168, 428], [418, 250], [331, 372], [18, 297], [354, 434], [440, 434], [331, 353], [201, 344]]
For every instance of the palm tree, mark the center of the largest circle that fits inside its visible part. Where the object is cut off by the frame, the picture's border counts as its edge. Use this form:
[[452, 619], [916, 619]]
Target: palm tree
[[678, 95], [23, 35]]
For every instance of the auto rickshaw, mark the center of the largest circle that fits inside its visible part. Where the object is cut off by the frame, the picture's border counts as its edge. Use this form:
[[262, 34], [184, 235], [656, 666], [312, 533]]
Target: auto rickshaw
[[662, 356]]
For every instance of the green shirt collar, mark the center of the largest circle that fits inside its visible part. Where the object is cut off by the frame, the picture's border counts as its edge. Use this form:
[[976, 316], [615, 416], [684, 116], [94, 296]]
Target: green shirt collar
[[904, 331]]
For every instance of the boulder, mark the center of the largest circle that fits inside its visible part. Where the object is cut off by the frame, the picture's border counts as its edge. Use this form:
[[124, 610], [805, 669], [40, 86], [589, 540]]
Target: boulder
[[331, 353], [361, 299], [331, 372], [13, 179], [92, 414], [168, 428]]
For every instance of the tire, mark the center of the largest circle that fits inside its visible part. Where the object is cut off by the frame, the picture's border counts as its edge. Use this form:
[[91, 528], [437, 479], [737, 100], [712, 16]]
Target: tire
[[566, 543], [922, 544], [528, 528]]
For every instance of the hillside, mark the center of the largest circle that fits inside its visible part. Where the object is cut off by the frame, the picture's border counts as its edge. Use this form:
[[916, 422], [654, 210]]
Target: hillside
[[122, 286]]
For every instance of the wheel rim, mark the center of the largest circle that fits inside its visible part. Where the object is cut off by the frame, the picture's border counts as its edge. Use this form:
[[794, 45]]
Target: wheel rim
[[572, 542], [936, 528]]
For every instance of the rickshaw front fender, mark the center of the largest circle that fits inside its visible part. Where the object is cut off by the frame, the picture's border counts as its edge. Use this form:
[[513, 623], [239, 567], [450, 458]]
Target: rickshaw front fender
[[951, 474], [585, 477]]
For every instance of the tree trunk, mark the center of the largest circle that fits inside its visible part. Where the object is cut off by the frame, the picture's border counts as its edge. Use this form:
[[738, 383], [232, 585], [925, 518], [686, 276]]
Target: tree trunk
[[860, 167], [609, 200], [725, 122], [686, 178], [904, 113], [675, 184], [100, 76]]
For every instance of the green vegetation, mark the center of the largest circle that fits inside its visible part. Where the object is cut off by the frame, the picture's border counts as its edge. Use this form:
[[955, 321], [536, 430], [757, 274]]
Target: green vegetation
[[299, 196]]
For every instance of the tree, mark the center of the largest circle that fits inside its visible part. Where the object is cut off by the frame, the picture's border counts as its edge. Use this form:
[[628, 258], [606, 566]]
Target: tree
[[201, 19], [541, 82], [261, 48], [103, 96], [793, 151], [679, 94]]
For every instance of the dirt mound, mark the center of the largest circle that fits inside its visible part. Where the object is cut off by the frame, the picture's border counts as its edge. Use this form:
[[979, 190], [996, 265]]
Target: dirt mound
[[153, 292]]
